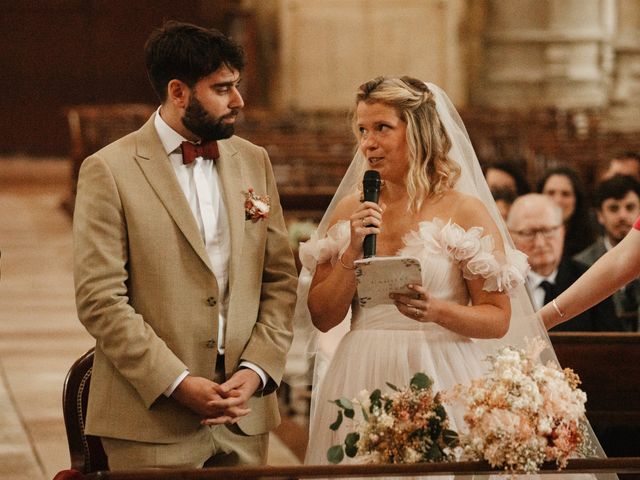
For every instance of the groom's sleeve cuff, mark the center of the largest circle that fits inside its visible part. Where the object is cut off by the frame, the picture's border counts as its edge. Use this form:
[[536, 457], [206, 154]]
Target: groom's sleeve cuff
[[261, 373]]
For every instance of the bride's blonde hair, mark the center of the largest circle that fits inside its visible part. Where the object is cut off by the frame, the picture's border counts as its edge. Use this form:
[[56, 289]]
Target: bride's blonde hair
[[431, 171]]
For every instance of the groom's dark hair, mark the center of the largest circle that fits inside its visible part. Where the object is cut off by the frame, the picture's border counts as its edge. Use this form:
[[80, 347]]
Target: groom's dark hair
[[187, 53]]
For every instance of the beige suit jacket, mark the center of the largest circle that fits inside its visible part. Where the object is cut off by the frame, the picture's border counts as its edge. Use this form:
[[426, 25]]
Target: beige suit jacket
[[146, 291]]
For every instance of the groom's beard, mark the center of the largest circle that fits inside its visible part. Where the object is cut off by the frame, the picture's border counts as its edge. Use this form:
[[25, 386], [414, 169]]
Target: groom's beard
[[199, 122]]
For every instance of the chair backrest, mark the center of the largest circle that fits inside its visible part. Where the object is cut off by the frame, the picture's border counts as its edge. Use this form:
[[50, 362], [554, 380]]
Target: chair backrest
[[91, 127], [87, 454]]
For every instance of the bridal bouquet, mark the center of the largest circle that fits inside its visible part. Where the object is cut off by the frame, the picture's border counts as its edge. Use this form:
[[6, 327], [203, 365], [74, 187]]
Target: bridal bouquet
[[523, 413], [408, 425]]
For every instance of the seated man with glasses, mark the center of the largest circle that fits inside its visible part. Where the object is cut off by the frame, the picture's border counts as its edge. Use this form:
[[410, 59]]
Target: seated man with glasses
[[535, 223]]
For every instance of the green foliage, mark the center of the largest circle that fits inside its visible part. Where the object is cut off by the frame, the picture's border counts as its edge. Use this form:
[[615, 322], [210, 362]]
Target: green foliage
[[350, 444], [335, 454], [450, 438], [335, 425], [421, 381]]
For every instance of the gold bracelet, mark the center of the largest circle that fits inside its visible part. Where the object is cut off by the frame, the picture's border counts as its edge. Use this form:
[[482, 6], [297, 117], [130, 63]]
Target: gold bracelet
[[346, 267], [555, 305]]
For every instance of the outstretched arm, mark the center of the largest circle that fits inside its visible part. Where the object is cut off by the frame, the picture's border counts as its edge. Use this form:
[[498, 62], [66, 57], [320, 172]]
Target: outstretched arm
[[611, 272]]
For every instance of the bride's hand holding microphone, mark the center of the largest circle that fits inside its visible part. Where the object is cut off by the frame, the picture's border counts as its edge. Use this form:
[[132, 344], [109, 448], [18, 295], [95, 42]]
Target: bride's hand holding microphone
[[365, 220]]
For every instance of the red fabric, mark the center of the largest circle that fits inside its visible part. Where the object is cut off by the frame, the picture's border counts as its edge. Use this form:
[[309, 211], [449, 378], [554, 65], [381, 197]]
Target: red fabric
[[191, 151], [637, 224], [70, 474]]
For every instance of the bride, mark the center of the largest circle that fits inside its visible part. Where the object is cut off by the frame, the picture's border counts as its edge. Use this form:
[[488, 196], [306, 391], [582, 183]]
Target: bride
[[435, 206]]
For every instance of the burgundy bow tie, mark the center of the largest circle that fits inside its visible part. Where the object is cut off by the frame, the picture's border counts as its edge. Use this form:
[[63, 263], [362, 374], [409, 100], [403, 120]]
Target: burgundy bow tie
[[191, 151]]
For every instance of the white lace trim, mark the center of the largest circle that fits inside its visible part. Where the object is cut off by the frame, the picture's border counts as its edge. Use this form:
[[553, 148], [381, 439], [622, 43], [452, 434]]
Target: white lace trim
[[475, 253]]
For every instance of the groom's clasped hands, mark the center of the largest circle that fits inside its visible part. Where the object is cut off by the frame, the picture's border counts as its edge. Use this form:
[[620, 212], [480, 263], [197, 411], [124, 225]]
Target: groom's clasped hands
[[219, 403]]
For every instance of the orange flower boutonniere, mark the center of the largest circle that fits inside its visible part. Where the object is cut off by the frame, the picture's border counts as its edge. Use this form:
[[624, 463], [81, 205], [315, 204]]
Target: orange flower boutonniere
[[256, 207]]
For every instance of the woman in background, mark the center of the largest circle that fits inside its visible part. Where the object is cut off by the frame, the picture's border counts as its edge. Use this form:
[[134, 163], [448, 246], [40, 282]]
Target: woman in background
[[564, 186]]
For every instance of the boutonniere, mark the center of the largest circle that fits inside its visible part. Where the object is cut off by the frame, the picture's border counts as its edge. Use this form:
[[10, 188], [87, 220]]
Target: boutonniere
[[256, 207]]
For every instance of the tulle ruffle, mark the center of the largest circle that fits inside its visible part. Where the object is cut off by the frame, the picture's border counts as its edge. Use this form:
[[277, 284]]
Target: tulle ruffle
[[474, 252]]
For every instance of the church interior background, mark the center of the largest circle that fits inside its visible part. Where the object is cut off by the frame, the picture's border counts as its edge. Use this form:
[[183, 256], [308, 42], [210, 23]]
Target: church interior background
[[539, 83]]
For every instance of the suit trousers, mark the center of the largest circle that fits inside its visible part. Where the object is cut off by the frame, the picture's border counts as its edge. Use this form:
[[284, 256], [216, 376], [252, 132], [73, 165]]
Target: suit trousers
[[209, 446]]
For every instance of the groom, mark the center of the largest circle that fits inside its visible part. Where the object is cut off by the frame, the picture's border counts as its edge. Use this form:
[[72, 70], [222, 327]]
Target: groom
[[183, 271]]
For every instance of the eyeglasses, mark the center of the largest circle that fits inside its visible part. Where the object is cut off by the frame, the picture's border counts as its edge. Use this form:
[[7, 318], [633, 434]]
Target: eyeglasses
[[530, 234]]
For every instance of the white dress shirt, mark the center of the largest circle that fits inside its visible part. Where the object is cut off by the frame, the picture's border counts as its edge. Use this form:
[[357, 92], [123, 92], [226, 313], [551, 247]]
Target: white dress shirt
[[537, 292], [201, 186]]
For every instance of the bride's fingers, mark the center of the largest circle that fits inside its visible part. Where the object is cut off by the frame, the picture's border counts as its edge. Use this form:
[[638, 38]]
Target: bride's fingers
[[420, 292], [410, 311]]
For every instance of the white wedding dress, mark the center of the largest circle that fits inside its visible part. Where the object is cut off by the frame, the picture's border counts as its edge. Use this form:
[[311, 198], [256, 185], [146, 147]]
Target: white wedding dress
[[383, 345]]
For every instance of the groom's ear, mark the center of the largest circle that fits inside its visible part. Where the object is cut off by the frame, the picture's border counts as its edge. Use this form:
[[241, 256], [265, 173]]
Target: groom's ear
[[178, 93]]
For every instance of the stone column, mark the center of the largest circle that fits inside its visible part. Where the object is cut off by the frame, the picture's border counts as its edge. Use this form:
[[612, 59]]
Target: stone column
[[540, 53], [624, 111]]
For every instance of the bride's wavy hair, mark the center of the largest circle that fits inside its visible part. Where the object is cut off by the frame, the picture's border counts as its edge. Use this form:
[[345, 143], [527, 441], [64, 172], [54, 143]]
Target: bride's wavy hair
[[431, 171]]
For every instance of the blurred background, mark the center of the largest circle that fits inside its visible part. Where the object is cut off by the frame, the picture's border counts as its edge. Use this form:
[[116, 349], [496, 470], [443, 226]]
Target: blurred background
[[539, 84]]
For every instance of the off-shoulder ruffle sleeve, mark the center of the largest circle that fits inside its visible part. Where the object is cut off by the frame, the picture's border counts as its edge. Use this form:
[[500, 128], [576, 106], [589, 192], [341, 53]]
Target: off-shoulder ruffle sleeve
[[474, 252], [320, 250]]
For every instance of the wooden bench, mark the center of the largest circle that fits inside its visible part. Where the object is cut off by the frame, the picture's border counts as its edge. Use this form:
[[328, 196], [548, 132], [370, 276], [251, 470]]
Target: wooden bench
[[591, 465], [608, 364]]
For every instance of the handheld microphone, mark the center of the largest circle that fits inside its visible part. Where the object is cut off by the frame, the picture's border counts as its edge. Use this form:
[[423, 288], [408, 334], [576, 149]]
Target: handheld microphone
[[371, 190]]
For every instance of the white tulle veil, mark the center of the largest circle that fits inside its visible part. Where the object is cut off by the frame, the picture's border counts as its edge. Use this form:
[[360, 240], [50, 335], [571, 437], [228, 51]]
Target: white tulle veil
[[524, 323]]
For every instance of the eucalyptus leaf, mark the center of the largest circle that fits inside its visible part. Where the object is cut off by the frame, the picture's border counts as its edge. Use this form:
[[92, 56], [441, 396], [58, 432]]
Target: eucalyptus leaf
[[450, 437], [349, 412], [434, 454], [392, 387], [375, 397], [365, 415], [421, 381], [345, 403], [351, 444], [351, 451], [335, 454], [335, 425], [351, 439]]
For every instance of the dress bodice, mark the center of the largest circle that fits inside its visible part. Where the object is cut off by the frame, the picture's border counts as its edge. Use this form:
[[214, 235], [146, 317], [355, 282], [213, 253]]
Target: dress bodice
[[448, 255]]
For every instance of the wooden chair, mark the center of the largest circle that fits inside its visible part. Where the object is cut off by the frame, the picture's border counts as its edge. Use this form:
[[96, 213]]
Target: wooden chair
[[87, 454], [91, 127]]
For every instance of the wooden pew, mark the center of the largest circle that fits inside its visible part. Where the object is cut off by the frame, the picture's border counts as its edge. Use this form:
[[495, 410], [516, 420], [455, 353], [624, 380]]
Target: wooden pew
[[608, 364], [591, 465]]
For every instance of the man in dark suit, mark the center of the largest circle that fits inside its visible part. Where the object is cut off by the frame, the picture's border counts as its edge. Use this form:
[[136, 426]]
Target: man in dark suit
[[535, 222], [618, 207]]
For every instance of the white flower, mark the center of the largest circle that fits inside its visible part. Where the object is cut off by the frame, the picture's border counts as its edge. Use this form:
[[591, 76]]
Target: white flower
[[364, 400], [483, 264], [411, 455], [462, 245], [385, 420]]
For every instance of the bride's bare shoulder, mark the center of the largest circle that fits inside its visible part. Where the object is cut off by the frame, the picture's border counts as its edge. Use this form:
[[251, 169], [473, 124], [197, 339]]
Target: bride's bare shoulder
[[345, 208], [468, 211]]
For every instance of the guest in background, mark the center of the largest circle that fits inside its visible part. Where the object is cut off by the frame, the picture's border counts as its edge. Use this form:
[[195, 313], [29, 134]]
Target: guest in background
[[506, 176], [563, 185], [183, 273], [618, 206], [626, 163], [504, 198], [537, 229]]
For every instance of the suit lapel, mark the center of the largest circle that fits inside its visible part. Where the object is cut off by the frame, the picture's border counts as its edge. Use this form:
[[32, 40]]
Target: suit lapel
[[229, 167], [156, 166]]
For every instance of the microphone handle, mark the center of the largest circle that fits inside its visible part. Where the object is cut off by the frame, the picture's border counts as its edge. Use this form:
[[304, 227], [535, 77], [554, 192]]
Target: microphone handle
[[369, 243], [369, 246]]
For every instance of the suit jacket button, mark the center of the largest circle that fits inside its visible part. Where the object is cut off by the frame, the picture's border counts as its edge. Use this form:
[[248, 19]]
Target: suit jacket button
[[211, 343], [212, 302]]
